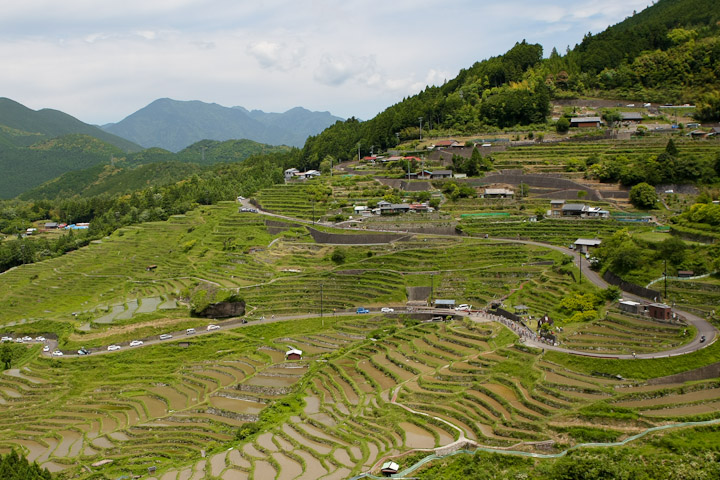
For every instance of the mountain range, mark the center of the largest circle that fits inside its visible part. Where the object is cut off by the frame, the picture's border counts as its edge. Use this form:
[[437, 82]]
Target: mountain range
[[173, 124]]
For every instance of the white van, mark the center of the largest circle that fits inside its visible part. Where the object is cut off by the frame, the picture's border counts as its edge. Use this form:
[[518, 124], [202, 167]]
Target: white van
[[189, 331]]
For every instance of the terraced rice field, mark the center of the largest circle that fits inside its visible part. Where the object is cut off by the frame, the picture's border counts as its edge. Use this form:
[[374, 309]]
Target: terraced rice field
[[555, 231], [296, 200], [368, 388], [624, 334], [552, 158], [411, 387]]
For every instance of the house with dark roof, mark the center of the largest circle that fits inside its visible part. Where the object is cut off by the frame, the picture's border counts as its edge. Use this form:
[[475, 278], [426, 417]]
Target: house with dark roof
[[394, 208], [441, 174], [573, 209]]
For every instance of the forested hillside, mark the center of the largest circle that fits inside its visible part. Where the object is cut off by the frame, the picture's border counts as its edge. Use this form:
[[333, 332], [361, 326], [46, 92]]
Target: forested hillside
[[21, 127], [493, 93], [107, 212], [26, 167], [151, 167], [669, 52]]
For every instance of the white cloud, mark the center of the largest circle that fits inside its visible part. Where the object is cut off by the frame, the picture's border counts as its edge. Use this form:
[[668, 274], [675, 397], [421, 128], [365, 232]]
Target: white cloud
[[101, 61], [275, 54], [336, 69]]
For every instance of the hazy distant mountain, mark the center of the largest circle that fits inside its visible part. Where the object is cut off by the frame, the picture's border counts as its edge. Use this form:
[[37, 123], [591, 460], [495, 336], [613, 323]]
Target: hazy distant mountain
[[173, 124], [21, 126]]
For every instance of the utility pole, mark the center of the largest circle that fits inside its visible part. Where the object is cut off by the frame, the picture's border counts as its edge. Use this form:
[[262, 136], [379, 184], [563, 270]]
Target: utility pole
[[358, 151], [313, 211], [421, 119], [665, 275], [432, 286], [580, 257], [321, 304]]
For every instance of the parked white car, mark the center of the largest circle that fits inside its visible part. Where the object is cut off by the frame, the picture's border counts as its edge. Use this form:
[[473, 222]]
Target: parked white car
[[136, 343], [46, 348], [387, 310], [40, 339], [213, 327], [463, 307], [165, 336], [112, 348], [7, 339], [27, 338], [57, 353]]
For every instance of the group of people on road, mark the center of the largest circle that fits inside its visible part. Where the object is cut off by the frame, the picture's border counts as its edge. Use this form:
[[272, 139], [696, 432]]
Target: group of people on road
[[521, 330]]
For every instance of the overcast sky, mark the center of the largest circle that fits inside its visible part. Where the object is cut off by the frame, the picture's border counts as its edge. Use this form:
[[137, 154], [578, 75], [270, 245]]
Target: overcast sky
[[101, 60]]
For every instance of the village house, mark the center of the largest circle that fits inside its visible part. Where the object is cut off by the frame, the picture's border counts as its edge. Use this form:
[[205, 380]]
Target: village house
[[586, 122], [629, 306], [556, 208], [634, 117], [393, 208], [293, 354], [290, 173], [446, 144], [583, 245], [421, 175], [573, 209], [439, 303], [295, 174], [441, 174], [660, 311], [497, 193], [389, 468]]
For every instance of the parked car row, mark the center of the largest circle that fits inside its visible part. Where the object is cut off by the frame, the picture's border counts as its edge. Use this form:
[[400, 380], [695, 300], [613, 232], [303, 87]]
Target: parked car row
[[248, 209], [111, 348], [25, 339]]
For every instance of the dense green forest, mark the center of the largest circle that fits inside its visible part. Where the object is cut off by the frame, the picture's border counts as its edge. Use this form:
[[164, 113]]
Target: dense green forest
[[669, 167], [84, 165], [16, 467]]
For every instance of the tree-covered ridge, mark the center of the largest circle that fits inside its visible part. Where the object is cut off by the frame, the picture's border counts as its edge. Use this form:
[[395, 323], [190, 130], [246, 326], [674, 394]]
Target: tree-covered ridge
[[666, 53], [493, 93], [119, 178], [16, 467], [649, 30], [26, 126], [79, 164], [208, 152]]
